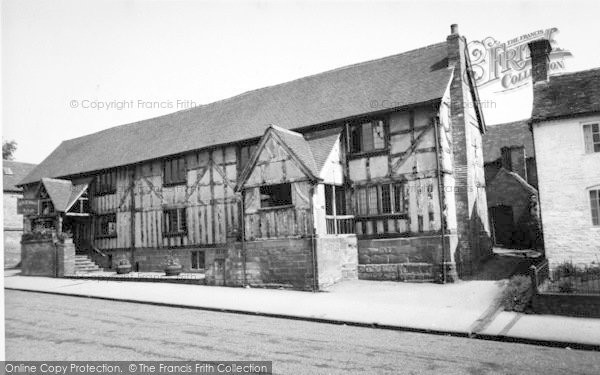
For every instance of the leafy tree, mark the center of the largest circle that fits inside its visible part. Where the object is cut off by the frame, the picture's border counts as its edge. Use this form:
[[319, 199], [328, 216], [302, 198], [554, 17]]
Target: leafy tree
[[8, 149]]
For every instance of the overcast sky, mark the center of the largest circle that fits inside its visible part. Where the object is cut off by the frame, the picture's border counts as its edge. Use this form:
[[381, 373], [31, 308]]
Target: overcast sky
[[61, 56]]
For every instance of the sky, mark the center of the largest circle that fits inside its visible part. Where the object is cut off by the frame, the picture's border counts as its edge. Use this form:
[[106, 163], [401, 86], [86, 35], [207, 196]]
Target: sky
[[71, 68]]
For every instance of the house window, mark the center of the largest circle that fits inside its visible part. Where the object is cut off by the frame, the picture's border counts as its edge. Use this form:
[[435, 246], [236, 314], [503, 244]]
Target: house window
[[275, 195], [197, 260], [591, 133], [106, 225], [380, 199], [106, 183], [335, 194], [368, 136], [175, 222], [595, 206], [174, 172]]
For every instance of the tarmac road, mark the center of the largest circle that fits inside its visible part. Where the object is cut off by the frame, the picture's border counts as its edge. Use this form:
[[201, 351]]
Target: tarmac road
[[49, 327]]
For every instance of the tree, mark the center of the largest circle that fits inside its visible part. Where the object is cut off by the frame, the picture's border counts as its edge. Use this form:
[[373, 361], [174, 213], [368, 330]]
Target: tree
[[8, 149]]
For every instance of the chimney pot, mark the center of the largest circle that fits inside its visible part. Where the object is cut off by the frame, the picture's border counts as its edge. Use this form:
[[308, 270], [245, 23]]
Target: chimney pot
[[454, 29]]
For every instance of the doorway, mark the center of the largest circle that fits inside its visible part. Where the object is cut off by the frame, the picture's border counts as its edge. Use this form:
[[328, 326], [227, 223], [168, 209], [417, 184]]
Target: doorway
[[503, 225]]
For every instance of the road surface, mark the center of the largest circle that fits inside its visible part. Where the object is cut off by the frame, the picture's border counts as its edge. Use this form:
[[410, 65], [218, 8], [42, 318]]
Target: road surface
[[50, 327]]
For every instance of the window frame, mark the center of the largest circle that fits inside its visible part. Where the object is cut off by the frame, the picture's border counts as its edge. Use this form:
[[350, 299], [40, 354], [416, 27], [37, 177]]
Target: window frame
[[590, 191], [284, 205], [105, 183], [359, 124], [181, 222], [594, 143], [168, 178], [397, 208], [99, 221], [198, 254]]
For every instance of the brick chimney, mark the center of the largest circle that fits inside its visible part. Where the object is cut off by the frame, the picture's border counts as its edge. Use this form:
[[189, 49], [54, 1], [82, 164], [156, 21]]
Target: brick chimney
[[540, 60], [514, 159]]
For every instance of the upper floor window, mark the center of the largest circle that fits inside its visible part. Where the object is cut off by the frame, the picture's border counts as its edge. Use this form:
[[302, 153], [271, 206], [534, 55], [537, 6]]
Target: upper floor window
[[275, 195], [595, 206], [591, 134], [367, 136], [175, 222], [380, 199], [106, 183], [174, 171]]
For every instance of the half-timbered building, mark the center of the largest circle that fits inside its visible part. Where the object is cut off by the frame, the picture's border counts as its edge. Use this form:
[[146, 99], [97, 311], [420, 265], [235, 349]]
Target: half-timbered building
[[373, 170]]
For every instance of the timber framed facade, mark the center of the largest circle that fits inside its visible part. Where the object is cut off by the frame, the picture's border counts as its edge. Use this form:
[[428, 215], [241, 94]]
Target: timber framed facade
[[330, 191]]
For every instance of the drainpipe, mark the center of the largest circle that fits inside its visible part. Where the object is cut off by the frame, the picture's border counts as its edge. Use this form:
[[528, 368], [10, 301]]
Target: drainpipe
[[243, 232], [132, 216], [312, 240], [440, 197]]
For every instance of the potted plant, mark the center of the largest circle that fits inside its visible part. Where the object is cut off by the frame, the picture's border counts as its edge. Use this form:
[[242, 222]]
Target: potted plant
[[123, 266], [172, 265]]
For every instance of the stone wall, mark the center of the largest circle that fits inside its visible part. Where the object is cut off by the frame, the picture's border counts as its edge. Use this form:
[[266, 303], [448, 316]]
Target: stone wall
[[584, 305], [565, 174], [13, 229], [47, 258], [406, 259], [337, 259]]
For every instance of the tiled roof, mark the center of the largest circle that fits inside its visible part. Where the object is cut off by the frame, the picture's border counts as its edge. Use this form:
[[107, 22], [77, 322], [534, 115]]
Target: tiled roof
[[568, 94], [13, 172], [59, 192], [505, 135], [63, 193], [300, 147], [408, 78]]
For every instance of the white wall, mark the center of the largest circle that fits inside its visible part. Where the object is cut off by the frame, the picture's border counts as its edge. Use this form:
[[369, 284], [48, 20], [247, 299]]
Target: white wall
[[565, 173]]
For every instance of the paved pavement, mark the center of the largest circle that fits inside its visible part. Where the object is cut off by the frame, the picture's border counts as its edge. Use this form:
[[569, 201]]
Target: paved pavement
[[465, 308], [51, 327]]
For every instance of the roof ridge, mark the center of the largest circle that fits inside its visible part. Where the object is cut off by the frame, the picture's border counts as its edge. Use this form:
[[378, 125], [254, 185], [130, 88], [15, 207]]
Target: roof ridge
[[245, 93], [563, 74]]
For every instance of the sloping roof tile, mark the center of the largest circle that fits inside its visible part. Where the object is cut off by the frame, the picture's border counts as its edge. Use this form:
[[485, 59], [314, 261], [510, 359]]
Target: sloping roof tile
[[408, 78], [59, 192], [13, 172], [505, 135], [568, 94], [300, 147]]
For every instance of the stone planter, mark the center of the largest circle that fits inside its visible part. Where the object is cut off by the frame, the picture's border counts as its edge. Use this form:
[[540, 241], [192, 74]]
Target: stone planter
[[123, 269], [173, 270]]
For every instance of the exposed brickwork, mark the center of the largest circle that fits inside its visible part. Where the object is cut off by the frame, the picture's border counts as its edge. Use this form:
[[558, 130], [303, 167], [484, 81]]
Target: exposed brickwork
[[587, 306], [473, 244]]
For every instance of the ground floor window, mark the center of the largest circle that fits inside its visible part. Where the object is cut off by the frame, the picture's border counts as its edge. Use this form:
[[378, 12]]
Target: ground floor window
[[106, 225], [595, 206], [197, 260], [174, 222], [336, 211]]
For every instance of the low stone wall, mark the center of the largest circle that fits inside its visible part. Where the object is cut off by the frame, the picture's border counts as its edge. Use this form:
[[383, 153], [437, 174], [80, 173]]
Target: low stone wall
[[579, 305], [12, 248], [337, 259], [406, 258], [47, 258], [284, 263]]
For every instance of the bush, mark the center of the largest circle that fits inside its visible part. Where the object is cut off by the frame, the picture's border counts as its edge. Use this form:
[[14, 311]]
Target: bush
[[566, 269], [565, 286], [517, 294]]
